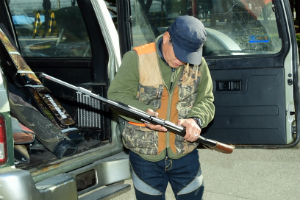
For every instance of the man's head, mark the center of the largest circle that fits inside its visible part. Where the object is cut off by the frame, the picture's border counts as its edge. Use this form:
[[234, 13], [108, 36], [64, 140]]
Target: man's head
[[183, 41]]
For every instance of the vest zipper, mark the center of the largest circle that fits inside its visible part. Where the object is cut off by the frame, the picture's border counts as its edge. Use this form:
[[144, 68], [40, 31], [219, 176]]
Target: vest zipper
[[172, 78], [168, 118]]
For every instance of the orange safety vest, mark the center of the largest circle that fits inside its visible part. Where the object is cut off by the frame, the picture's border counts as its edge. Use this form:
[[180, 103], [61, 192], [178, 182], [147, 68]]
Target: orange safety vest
[[170, 105]]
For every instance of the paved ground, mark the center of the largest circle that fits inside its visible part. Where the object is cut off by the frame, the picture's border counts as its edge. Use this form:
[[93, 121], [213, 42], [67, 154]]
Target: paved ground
[[247, 174]]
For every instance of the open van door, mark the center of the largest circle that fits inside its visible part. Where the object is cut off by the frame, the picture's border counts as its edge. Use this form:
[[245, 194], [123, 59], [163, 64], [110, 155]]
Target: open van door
[[41, 156], [252, 53]]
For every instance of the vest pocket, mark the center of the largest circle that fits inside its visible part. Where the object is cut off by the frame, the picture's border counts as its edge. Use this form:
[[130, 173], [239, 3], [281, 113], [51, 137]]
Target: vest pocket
[[150, 95], [187, 96], [140, 139], [183, 146]]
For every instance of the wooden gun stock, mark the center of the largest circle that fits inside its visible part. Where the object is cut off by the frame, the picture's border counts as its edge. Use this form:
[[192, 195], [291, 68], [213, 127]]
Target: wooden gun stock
[[216, 145], [224, 148]]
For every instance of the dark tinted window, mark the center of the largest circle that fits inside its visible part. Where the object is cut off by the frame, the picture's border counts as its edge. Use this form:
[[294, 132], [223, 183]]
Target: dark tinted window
[[234, 27], [50, 28]]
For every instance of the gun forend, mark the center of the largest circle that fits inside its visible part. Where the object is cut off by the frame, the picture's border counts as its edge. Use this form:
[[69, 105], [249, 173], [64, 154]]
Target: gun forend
[[216, 145]]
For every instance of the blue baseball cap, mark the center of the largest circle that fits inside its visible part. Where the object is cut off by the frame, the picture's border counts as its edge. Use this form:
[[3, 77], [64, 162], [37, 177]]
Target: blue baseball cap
[[188, 35]]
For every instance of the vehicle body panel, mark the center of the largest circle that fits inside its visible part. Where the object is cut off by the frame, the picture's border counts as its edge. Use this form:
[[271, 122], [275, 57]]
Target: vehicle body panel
[[4, 114]]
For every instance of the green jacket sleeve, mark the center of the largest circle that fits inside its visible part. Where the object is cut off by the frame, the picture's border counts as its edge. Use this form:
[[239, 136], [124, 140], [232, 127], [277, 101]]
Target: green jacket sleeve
[[124, 86], [203, 107]]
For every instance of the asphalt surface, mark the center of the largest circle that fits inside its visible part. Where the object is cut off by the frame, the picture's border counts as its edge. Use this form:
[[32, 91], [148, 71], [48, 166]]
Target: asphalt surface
[[246, 174]]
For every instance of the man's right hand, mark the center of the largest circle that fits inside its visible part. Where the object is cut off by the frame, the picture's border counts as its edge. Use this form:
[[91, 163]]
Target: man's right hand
[[153, 126]]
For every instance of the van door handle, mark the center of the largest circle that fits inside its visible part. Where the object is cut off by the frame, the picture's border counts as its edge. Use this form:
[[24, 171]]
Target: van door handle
[[229, 85]]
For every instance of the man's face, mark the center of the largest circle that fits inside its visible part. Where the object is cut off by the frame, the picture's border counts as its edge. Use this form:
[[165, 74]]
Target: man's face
[[168, 52]]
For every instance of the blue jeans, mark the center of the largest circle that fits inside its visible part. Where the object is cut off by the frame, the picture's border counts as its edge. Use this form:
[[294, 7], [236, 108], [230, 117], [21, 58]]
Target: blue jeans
[[151, 179]]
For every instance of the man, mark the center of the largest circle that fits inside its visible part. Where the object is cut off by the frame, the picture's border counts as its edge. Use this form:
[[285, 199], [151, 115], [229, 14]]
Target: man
[[170, 79]]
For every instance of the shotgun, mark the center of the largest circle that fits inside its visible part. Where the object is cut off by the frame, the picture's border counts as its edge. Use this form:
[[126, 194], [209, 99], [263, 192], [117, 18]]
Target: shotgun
[[141, 115]]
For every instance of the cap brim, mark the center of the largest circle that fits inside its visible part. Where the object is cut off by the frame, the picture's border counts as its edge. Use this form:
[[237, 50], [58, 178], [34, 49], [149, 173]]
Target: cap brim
[[186, 56]]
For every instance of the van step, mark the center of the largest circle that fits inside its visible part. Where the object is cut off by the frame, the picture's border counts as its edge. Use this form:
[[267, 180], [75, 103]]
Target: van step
[[106, 192]]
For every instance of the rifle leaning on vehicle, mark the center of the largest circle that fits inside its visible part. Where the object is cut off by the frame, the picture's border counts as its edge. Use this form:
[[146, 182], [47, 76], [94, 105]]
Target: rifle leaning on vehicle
[[142, 116]]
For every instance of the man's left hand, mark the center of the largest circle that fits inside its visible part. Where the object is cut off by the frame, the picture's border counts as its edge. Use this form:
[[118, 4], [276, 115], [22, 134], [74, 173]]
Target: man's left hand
[[191, 128]]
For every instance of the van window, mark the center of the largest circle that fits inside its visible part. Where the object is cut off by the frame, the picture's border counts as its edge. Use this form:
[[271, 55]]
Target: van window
[[50, 28], [234, 27], [112, 8]]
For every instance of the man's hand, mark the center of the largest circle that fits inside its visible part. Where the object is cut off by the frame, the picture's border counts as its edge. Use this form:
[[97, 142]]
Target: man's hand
[[152, 126], [191, 128]]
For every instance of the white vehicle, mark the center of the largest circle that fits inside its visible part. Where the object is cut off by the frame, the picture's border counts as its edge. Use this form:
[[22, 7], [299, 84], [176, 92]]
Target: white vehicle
[[251, 51]]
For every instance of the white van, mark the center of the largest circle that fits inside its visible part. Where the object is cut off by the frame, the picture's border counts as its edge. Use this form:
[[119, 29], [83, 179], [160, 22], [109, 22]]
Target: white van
[[251, 51]]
